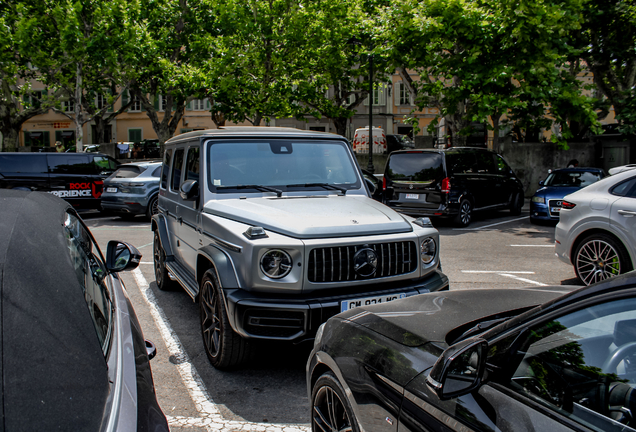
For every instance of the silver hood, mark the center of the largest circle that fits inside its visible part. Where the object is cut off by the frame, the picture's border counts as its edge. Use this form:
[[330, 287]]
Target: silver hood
[[307, 217]]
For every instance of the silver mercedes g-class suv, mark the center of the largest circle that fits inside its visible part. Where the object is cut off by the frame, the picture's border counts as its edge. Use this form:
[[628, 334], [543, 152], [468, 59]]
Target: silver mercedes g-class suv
[[273, 230]]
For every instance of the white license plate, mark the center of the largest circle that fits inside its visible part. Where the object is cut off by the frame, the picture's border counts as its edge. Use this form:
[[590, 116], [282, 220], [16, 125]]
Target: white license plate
[[412, 196], [111, 189], [351, 304], [555, 209]]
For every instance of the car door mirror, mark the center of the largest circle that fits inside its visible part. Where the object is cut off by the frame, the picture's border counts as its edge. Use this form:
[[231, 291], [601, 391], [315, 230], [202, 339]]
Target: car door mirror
[[189, 190], [459, 369], [121, 256], [541, 183]]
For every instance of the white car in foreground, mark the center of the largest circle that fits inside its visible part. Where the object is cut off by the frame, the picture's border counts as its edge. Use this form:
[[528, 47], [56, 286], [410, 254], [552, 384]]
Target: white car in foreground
[[597, 228]]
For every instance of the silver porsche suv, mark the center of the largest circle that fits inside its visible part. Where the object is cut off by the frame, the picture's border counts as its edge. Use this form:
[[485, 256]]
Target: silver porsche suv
[[273, 231]]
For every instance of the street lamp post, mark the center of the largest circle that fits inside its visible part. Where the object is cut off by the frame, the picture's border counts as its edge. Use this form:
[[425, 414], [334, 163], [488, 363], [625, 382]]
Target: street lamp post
[[370, 166]]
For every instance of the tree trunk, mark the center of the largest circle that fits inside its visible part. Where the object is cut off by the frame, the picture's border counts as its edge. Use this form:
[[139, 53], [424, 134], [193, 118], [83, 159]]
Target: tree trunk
[[10, 137], [495, 117], [79, 112], [341, 125]]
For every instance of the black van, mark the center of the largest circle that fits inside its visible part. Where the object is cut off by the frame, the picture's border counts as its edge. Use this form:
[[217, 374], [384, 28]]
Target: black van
[[450, 183], [75, 177]]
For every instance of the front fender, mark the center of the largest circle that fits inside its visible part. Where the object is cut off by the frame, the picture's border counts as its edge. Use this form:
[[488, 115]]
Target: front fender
[[159, 224]]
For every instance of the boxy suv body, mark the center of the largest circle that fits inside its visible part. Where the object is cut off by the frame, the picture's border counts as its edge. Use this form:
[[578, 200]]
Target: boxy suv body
[[273, 231], [450, 183]]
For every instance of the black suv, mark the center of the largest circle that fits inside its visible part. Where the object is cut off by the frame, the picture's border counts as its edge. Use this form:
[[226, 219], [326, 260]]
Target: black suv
[[450, 183], [76, 177]]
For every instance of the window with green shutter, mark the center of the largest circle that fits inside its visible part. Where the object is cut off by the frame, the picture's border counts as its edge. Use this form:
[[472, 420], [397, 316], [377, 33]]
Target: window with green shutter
[[134, 135]]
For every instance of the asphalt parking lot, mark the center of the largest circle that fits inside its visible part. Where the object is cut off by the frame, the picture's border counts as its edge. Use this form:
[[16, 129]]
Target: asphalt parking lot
[[269, 394]]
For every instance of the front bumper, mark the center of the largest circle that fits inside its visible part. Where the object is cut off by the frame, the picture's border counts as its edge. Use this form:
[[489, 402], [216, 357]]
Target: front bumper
[[297, 318], [444, 211], [541, 212]]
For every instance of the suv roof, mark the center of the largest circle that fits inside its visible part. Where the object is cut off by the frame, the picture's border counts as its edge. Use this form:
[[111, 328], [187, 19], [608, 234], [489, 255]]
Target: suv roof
[[260, 131]]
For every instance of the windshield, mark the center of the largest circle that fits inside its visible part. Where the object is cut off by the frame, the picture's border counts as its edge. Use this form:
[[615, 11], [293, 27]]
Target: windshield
[[284, 164], [572, 178]]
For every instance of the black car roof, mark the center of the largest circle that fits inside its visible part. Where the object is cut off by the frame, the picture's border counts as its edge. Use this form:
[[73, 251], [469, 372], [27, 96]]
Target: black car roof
[[54, 374]]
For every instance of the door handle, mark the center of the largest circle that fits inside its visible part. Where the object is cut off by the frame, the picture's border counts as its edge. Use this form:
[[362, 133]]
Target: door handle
[[627, 213]]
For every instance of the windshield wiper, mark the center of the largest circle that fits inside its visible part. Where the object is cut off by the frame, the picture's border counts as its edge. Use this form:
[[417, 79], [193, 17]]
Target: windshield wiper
[[324, 185], [261, 188]]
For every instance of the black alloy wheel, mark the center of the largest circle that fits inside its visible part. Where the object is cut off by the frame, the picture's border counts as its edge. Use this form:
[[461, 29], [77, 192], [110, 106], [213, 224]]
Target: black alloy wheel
[[153, 207], [599, 257], [224, 348], [516, 204], [330, 408], [465, 215], [162, 277]]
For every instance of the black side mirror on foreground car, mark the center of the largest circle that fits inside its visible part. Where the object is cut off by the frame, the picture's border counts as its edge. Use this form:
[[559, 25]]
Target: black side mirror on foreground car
[[121, 256], [459, 369]]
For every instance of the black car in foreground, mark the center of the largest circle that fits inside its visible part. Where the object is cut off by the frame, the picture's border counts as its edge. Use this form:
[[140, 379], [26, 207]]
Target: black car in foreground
[[73, 354], [483, 360]]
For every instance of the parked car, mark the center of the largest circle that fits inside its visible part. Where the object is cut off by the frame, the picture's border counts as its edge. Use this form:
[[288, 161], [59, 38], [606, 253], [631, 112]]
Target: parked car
[[545, 204], [273, 231], [360, 142], [596, 232], [398, 142], [450, 183], [133, 189], [73, 353], [76, 177], [480, 360]]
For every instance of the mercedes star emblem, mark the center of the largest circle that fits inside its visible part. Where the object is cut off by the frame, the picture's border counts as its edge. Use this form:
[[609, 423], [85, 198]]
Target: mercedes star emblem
[[365, 262]]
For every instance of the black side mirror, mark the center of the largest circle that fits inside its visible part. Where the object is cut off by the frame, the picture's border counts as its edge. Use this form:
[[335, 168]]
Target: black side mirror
[[189, 190], [121, 256], [541, 183], [459, 370], [151, 349]]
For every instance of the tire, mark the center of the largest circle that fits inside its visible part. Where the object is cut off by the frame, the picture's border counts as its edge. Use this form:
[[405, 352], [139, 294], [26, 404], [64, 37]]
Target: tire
[[516, 205], [153, 207], [330, 408], [598, 257], [465, 215], [224, 347], [162, 278]]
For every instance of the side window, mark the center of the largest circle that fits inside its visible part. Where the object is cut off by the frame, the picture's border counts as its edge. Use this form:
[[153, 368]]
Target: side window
[[582, 365], [485, 163], [104, 164], [156, 172], [459, 163], [502, 166], [175, 175], [192, 164], [32, 164], [626, 188], [71, 164], [165, 168], [91, 273]]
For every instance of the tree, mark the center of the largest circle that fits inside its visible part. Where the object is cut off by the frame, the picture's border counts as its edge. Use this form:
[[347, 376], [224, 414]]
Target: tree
[[608, 40], [17, 101], [480, 60], [78, 47], [176, 39]]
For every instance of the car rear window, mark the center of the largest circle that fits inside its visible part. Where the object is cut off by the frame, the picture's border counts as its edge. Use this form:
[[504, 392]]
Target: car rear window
[[130, 171], [415, 167], [29, 164], [572, 178]]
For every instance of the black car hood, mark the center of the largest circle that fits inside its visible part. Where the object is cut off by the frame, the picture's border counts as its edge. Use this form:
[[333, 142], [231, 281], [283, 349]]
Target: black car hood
[[423, 318]]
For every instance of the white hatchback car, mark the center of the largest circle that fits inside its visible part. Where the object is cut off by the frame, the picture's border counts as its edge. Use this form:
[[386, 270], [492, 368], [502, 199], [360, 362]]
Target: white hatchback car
[[597, 228]]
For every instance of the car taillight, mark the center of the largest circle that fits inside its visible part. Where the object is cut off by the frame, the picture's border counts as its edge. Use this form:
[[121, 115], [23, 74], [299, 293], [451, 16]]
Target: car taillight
[[383, 183], [446, 185], [567, 205]]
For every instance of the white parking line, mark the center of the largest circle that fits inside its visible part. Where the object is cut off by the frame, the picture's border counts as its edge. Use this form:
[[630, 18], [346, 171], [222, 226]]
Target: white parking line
[[491, 225], [497, 271], [545, 246], [522, 279], [210, 417]]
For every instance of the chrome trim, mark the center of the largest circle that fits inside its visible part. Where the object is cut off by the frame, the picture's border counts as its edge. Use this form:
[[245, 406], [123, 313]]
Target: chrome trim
[[223, 243], [113, 419]]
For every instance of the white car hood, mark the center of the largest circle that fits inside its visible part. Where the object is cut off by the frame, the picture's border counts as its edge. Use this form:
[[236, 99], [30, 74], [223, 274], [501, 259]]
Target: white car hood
[[307, 217]]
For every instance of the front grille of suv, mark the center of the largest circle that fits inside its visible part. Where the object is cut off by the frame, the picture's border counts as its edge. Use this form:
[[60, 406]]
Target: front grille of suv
[[335, 264]]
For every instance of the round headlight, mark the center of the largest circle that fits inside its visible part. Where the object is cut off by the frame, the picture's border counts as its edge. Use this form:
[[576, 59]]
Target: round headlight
[[427, 250], [276, 263]]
